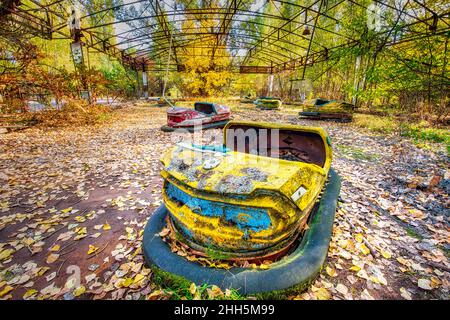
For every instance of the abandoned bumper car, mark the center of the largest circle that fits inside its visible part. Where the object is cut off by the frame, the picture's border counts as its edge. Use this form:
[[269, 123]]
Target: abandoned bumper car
[[205, 115], [268, 103], [322, 109], [264, 201]]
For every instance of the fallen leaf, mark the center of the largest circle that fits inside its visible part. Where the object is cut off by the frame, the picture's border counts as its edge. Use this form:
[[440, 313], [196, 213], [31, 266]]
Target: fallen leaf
[[92, 249], [164, 232], [322, 294], [405, 294], [386, 254], [424, 284], [365, 295], [66, 210], [52, 258], [80, 218], [355, 268], [364, 249], [193, 288], [29, 293], [342, 289], [359, 237], [6, 290], [50, 277], [5, 254], [331, 272], [79, 291], [55, 248]]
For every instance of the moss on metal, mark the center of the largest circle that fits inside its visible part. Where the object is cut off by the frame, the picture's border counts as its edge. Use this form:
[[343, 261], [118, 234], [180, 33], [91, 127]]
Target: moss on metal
[[267, 103]]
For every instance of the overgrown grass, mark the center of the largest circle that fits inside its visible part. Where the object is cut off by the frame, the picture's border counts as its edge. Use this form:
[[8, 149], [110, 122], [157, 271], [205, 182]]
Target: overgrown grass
[[375, 123], [178, 287], [412, 233], [420, 133], [356, 153]]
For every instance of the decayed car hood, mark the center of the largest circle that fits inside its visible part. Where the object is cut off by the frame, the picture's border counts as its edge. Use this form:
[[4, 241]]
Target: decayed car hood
[[240, 174]]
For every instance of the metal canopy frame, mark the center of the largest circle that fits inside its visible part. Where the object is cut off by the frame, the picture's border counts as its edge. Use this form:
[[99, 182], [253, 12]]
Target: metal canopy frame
[[260, 36]]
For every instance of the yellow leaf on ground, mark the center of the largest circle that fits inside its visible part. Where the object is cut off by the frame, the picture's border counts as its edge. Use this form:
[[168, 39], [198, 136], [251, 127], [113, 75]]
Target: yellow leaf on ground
[[403, 261], [129, 230], [92, 249], [52, 258], [435, 282], [5, 290], [386, 254], [5, 254], [127, 282], [322, 294], [138, 278], [355, 268], [81, 231], [106, 226], [43, 270], [331, 272], [264, 266], [192, 288], [417, 214], [364, 249], [28, 241], [30, 293], [424, 284], [66, 210], [79, 291], [155, 295], [343, 243], [359, 237], [55, 248], [80, 236]]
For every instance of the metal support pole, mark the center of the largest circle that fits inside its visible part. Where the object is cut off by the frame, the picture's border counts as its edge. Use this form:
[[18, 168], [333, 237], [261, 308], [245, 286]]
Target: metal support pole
[[76, 48], [356, 80], [270, 84], [144, 81]]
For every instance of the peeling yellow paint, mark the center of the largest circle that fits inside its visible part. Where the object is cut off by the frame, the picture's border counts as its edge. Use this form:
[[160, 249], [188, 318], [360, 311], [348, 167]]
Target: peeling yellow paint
[[229, 183]]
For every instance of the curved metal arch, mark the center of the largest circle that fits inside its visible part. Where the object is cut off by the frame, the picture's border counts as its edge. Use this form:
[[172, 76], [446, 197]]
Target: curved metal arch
[[232, 18], [266, 48]]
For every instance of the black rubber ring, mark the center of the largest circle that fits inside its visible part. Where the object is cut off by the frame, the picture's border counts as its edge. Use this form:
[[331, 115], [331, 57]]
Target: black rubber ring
[[299, 268], [215, 125]]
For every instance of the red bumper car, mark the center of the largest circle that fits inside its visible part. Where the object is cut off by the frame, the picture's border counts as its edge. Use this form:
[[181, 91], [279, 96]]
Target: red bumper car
[[205, 115]]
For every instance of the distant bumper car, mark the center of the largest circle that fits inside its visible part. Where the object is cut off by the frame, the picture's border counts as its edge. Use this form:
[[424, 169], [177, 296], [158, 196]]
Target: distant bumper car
[[247, 99], [268, 103], [274, 202], [323, 109], [205, 115]]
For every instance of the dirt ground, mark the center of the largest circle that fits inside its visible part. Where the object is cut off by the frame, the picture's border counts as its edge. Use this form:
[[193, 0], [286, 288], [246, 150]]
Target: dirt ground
[[74, 202]]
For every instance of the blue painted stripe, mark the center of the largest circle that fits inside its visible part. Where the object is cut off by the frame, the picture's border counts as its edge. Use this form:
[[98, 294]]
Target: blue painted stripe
[[245, 218]]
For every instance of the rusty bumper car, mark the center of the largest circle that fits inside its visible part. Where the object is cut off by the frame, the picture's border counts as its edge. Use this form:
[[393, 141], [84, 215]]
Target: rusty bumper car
[[268, 194], [268, 103], [205, 115], [323, 109]]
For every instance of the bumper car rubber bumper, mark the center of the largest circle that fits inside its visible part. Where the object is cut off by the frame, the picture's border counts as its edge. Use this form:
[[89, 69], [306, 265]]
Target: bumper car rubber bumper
[[297, 270], [214, 125]]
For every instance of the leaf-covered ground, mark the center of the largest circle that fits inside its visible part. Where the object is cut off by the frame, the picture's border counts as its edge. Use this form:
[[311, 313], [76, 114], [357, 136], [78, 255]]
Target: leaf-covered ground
[[74, 202]]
